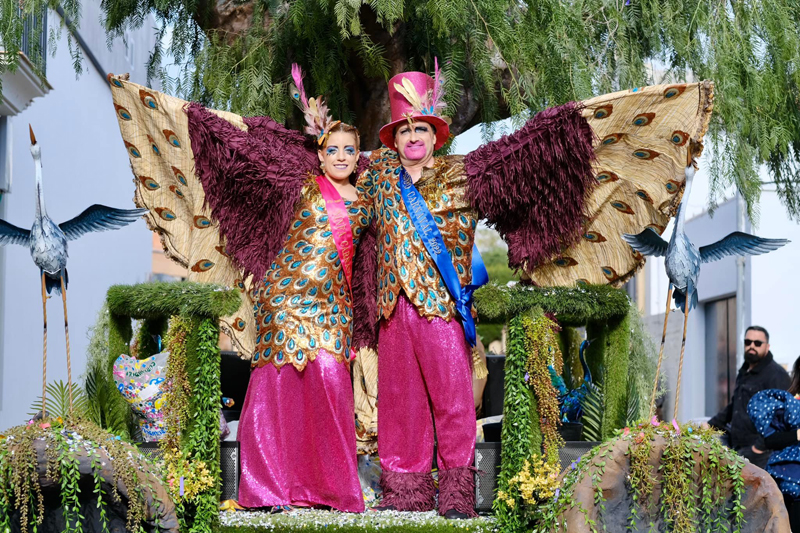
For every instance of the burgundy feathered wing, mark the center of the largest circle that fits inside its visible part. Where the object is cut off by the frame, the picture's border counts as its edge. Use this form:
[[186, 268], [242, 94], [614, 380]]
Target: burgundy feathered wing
[[531, 185]]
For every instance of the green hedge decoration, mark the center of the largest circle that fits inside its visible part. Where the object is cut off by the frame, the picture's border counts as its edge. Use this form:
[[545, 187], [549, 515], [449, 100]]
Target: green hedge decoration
[[520, 433], [572, 306], [162, 300], [200, 305]]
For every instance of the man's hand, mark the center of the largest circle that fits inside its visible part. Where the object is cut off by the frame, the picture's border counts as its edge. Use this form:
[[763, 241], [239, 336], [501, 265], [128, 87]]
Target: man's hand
[[756, 450]]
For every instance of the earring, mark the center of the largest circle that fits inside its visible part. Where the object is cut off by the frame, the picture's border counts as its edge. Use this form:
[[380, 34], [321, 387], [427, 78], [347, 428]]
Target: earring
[[322, 166]]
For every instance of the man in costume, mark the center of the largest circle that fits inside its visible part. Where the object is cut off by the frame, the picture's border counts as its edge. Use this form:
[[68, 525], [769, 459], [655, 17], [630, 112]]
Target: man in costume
[[427, 210], [539, 189]]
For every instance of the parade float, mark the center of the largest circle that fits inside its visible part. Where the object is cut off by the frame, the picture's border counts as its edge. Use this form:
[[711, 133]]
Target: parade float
[[82, 470]]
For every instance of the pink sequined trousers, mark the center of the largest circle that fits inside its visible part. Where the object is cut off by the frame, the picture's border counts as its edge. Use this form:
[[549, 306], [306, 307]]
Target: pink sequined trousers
[[425, 365], [298, 439]]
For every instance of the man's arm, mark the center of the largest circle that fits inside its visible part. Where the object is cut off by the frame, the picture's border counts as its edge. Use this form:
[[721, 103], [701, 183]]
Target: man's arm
[[721, 419]]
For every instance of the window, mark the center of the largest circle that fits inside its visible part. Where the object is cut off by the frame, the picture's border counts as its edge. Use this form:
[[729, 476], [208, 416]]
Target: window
[[720, 353]]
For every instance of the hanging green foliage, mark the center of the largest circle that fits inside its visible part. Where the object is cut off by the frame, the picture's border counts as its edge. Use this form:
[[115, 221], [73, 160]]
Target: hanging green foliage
[[520, 433], [541, 345], [63, 442], [698, 486]]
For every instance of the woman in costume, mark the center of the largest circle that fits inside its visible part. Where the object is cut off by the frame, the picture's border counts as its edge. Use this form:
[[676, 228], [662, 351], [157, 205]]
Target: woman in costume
[[297, 431], [289, 214]]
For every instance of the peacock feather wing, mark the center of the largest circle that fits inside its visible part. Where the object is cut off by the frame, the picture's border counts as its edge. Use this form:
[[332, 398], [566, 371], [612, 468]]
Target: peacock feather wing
[[166, 186], [642, 136]]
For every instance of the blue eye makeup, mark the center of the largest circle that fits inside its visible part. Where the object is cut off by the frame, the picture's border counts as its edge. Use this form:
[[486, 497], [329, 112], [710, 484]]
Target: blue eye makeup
[[332, 150], [350, 150]]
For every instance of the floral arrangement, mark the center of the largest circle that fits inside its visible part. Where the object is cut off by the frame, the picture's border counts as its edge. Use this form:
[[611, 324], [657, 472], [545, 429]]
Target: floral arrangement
[[186, 477], [537, 482]]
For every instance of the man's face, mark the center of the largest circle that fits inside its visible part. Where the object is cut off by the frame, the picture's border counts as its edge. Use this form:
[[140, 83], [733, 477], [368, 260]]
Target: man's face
[[755, 346], [414, 142]]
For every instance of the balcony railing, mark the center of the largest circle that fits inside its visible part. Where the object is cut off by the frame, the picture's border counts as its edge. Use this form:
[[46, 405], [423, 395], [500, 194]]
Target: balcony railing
[[34, 38]]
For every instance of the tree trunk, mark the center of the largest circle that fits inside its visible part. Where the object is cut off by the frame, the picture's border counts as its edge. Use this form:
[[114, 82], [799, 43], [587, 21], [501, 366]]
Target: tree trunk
[[369, 97]]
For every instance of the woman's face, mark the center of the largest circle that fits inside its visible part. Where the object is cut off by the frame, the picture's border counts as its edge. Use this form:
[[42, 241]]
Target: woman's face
[[339, 155]]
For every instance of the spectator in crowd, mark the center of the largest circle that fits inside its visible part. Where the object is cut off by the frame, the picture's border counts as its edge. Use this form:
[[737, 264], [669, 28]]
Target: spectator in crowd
[[759, 372], [774, 414]]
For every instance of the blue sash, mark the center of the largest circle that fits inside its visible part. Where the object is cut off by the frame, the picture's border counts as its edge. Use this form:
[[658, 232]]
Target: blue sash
[[426, 228]]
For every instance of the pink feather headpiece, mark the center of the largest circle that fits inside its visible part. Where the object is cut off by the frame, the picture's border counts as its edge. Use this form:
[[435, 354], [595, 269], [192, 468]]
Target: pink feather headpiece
[[318, 120]]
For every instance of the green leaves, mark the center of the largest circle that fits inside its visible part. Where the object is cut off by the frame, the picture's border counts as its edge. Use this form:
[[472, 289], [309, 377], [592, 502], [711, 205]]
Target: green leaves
[[592, 419], [58, 401]]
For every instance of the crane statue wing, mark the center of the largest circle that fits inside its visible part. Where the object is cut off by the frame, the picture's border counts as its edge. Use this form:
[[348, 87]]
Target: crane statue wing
[[641, 138], [647, 242], [738, 243], [11, 234], [155, 132], [99, 218]]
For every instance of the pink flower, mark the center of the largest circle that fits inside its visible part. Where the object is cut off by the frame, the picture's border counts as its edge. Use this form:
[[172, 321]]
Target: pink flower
[[654, 421], [626, 431], [675, 425]]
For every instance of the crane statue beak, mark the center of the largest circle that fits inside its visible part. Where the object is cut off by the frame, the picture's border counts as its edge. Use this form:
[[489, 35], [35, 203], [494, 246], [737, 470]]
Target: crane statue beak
[[33, 137]]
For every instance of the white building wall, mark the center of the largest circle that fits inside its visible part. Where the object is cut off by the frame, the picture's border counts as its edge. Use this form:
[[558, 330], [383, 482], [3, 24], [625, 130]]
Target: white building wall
[[83, 163], [775, 291]]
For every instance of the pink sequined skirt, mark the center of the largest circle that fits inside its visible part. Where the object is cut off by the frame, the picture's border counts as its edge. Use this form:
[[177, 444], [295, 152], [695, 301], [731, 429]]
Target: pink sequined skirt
[[297, 437]]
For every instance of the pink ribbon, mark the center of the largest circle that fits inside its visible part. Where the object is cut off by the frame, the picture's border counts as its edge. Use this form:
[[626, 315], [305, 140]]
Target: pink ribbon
[[339, 222]]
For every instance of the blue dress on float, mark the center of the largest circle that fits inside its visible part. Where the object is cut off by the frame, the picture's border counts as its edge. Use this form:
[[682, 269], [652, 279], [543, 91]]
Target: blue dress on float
[[774, 411]]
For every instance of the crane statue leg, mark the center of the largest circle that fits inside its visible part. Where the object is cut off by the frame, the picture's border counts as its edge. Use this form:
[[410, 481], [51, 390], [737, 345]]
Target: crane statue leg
[[680, 363], [66, 332], [44, 345], [660, 354]]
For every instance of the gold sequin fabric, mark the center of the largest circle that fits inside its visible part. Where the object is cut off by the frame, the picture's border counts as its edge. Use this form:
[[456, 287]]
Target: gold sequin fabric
[[403, 262], [303, 303]]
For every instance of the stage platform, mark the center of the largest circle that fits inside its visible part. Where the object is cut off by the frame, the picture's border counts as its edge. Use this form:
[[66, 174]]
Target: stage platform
[[309, 520]]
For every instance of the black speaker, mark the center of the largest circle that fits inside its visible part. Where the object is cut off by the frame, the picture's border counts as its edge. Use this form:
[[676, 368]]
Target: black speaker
[[487, 462], [574, 450], [493, 393], [229, 464]]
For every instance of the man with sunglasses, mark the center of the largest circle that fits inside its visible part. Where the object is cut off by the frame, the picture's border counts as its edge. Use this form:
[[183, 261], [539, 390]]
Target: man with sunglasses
[[759, 372]]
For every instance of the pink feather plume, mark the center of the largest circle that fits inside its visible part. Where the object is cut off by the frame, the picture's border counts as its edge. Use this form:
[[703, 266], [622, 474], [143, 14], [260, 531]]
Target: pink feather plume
[[297, 76]]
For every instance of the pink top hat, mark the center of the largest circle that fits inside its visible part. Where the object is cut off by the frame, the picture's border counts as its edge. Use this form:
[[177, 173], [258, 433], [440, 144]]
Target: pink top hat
[[417, 96]]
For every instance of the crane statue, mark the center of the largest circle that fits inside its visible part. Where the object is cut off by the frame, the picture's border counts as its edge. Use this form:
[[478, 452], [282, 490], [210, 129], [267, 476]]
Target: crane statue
[[683, 260], [48, 244]]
